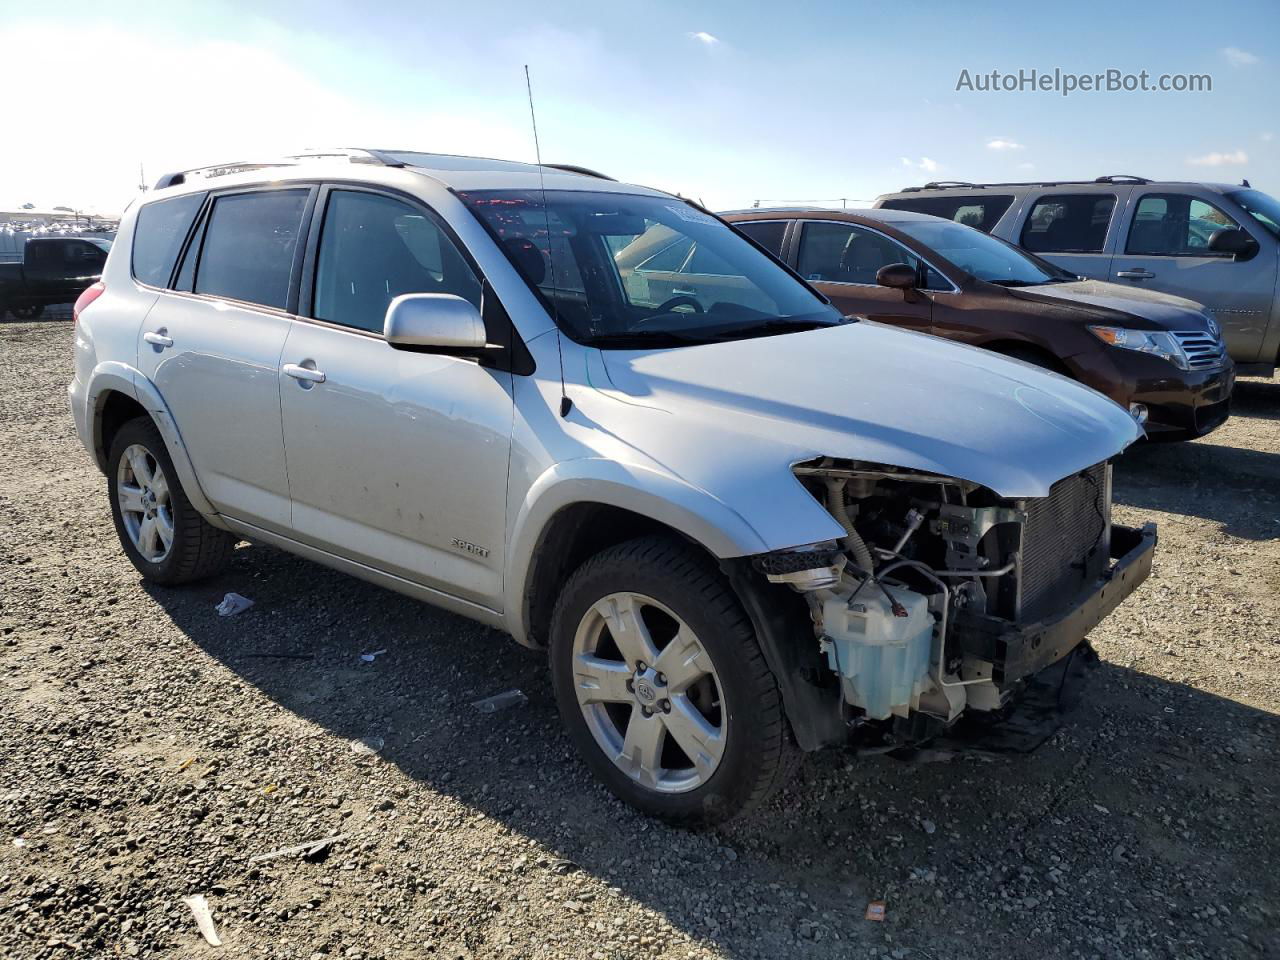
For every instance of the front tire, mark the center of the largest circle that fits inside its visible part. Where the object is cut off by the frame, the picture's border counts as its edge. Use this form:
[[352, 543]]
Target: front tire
[[662, 684], [163, 535]]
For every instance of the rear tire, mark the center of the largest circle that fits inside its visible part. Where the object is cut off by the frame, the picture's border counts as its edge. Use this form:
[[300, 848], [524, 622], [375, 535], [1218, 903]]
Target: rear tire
[[696, 735], [30, 311], [163, 535]]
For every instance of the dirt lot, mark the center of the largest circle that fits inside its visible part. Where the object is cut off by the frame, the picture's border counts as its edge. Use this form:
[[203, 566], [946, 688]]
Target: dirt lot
[[151, 748]]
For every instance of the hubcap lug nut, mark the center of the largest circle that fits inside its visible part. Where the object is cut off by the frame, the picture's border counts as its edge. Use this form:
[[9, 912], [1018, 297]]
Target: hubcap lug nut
[[662, 679], [666, 706], [646, 711]]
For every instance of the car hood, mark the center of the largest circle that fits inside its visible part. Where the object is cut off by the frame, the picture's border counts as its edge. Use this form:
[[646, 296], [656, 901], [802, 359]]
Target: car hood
[[1162, 310], [860, 391]]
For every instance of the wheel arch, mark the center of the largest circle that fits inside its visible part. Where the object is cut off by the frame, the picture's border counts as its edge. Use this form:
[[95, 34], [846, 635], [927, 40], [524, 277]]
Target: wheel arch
[[579, 508], [118, 393], [1024, 349]]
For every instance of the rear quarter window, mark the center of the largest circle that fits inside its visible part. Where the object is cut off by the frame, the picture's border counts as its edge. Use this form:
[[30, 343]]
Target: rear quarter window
[[983, 211], [159, 234]]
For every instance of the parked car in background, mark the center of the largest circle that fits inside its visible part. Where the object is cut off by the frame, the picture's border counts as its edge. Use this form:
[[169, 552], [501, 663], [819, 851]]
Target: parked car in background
[[679, 489], [1215, 243], [53, 270], [1160, 357]]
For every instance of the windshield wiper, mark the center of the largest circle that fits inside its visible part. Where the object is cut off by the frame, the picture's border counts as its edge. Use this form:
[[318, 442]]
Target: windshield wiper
[[647, 338], [765, 328]]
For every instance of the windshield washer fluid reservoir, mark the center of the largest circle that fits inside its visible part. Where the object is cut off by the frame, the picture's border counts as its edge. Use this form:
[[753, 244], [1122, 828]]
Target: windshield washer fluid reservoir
[[882, 659]]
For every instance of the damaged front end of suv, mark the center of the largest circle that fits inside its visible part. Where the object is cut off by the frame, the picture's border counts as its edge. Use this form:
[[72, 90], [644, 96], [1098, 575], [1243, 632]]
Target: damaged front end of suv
[[941, 598]]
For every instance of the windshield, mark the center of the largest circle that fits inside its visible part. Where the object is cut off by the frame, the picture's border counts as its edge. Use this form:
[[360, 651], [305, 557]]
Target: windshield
[[622, 269], [981, 255], [1261, 206]]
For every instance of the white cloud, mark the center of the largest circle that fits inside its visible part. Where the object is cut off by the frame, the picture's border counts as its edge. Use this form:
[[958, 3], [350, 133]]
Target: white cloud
[[924, 163], [1215, 159], [1002, 143], [1239, 58], [1268, 137], [705, 38]]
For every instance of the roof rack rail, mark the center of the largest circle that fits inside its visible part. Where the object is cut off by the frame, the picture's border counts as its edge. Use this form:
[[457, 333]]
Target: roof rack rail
[[215, 170], [354, 154], [1118, 178], [584, 171]]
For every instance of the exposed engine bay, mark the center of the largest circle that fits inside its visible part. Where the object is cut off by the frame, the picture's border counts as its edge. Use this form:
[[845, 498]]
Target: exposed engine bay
[[943, 597]]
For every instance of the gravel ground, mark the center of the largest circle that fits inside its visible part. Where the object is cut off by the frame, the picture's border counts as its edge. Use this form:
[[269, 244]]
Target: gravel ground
[[151, 748]]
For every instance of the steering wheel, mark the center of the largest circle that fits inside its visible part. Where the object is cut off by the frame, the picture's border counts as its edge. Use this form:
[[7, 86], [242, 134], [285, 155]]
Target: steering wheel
[[681, 300]]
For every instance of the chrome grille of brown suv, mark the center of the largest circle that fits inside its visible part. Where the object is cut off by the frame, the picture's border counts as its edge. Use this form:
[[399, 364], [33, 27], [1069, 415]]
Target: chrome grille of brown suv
[[1064, 542], [1204, 351]]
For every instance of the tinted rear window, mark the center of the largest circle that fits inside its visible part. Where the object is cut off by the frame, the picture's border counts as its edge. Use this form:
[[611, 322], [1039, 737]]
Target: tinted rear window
[[1069, 223], [157, 238], [249, 245], [767, 233], [982, 211]]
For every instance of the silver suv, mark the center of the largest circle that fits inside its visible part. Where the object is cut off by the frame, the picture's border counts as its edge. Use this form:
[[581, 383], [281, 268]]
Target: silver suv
[[738, 521], [1215, 243]]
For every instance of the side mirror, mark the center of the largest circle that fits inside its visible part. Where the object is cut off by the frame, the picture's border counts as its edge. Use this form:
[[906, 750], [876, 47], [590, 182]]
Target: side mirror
[[900, 276], [434, 323], [1234, 241]]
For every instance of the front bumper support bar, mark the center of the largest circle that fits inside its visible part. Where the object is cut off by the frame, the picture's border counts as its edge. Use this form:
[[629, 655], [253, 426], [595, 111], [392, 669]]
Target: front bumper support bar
[[1019, 650]]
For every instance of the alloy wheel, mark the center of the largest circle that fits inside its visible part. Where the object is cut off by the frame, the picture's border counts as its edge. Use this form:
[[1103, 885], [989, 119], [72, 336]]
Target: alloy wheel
[[142, 491], [649, 693]]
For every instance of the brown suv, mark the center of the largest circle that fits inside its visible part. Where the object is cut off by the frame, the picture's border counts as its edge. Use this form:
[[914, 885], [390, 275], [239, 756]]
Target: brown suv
[[1160, 356]]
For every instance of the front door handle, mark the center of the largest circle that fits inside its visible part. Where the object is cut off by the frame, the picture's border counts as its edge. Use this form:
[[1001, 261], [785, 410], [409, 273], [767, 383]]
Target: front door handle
[[1135, 274], [303, 373], [157, 338]]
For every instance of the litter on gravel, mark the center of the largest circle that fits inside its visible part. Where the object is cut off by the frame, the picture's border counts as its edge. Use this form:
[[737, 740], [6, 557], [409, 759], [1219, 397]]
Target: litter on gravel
[[204, 918], [308, 850], [367, 746], [501, 701], [232, 604], [370, 657], [875, 911]]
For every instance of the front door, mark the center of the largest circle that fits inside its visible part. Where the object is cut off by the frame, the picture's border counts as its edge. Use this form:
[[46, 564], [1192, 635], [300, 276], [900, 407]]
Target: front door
[[842, 259], [1166, 248], [213, 350], [397, 460]]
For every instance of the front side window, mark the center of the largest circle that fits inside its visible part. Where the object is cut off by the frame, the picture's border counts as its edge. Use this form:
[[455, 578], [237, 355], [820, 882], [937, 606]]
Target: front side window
[[1069, 223], [249, 245], [158, 236], [1175, 225], [843, 253], [767, 233], [617, 269], [983, 211], [374, 248], [981, 255], [1263, 207]]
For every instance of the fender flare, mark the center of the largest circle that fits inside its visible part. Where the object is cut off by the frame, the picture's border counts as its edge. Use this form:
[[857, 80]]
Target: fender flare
[[660, 496], [112, 376]]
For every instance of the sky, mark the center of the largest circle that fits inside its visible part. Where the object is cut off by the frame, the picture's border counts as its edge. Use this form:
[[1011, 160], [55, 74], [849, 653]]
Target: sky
[[729, 102]]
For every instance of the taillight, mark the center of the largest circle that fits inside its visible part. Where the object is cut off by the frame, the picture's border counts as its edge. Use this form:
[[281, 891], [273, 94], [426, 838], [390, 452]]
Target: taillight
[[89, 295]]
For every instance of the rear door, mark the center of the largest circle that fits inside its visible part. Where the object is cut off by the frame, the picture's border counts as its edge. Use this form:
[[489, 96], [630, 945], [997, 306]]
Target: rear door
[[212, 343], [841, 261], [1077, 231], [1166, 248], [397, 459]]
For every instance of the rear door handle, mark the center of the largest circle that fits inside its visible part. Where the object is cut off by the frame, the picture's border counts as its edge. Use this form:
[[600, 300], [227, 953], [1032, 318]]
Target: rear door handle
[[156, 338], [1135, 274], [302, 373], [677, 292]]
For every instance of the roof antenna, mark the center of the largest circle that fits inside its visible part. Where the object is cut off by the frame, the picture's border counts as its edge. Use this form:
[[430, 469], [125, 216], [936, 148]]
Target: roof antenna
[[565, 403]]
